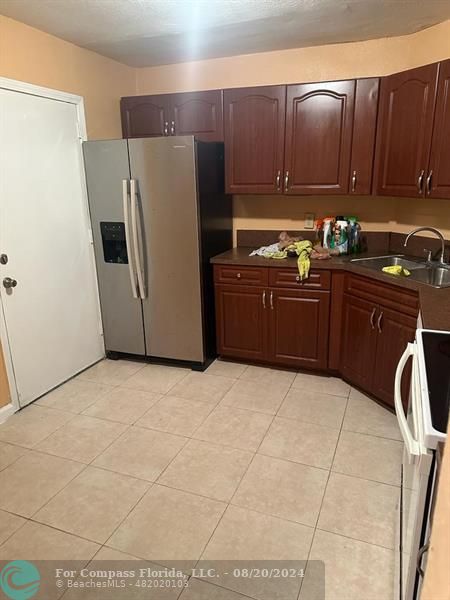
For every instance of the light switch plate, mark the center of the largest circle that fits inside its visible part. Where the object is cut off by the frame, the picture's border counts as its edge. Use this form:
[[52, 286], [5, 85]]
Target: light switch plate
[[309, 220]]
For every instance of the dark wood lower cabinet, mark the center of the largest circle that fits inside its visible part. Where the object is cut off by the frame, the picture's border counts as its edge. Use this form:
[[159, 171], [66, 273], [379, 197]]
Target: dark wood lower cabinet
[[394, 330], [241, 321], [265, 315], [374, 338], [298, 328], [279, 325], [359, 341]]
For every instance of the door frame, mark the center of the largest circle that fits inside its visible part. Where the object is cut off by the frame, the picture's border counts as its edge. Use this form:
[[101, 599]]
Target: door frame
[[31, 89]]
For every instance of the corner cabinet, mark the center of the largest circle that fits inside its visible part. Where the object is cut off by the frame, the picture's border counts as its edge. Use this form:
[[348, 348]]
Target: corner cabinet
[[378, 322], [254, 120], [438, 180], [190, 113], [268, 315], [364, 134], [407, 103]]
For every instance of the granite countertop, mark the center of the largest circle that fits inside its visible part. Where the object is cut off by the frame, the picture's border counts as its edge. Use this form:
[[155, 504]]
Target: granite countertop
[[434, 302]]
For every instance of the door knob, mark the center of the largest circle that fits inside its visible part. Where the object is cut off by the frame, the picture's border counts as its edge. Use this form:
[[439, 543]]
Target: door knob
[[9, 283]]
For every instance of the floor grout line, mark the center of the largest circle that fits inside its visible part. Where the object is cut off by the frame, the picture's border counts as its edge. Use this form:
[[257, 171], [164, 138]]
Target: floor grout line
[[355, 539], [324, 494], [240, 481]]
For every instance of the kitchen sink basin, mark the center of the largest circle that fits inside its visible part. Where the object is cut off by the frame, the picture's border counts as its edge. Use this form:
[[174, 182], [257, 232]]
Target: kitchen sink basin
[[435, 275], [378, 262]]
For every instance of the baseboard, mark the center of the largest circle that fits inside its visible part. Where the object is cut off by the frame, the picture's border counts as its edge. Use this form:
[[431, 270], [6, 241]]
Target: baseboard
[[6, 412]]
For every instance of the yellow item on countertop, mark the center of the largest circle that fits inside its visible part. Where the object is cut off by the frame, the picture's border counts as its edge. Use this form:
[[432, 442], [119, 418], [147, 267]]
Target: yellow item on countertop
[[303, 250], [396, 270]]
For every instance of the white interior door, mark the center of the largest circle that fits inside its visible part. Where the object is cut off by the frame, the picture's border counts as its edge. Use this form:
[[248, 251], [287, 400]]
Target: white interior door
[[52, 315]]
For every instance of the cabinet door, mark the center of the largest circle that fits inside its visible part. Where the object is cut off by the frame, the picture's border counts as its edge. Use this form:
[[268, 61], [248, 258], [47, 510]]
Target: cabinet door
[[319, 120], [404, 131], [145, 116], [254, 139], [298, 330], [438, 182], [241, 321], [359, 341], [395, 330], [199, 114], [363, 141]]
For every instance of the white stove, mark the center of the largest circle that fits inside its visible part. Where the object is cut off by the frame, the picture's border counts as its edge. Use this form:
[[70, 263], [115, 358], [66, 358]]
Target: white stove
[[422, 427]]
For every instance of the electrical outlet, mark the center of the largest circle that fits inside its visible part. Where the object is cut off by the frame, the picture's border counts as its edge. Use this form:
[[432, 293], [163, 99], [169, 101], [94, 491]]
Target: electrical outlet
[[309, 220]]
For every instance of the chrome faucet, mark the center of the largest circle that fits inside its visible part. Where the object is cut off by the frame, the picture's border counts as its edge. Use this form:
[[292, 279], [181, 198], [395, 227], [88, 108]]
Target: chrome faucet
[[436, 232]]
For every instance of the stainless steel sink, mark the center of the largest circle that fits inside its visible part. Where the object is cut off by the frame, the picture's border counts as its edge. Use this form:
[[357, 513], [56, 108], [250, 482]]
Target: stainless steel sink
[[378, 262], [436, 275]]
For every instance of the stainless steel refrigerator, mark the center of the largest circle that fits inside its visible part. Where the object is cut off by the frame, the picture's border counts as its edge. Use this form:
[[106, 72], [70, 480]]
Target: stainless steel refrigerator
[[158, 212]]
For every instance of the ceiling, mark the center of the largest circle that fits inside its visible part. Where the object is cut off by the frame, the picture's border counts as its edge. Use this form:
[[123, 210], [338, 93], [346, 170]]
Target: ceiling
[[155, 32]]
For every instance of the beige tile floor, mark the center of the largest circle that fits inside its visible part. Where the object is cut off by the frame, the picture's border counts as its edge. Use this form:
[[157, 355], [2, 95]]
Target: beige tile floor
[[238, 463]]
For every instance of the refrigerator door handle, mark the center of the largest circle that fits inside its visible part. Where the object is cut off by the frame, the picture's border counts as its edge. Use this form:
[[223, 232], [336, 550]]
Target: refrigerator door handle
[[134, 228], [126, 220]]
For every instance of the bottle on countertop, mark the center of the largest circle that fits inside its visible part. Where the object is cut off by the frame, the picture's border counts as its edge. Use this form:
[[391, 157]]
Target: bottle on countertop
[[339, 237], [354, 240], [327, 231], [318, 230]]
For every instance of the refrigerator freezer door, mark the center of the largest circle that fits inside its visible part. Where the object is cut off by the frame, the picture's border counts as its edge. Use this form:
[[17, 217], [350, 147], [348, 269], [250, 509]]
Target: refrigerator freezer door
[[166, 193], [106, 168]]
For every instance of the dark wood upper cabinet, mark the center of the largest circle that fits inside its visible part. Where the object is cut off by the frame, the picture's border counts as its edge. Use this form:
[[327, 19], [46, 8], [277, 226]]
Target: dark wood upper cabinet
[[197, 113], [386, 137], [407, 103], [438, 178], [190, 113], [145, 116], [254, 120], [319, 122], [364, 132], [298, 328]]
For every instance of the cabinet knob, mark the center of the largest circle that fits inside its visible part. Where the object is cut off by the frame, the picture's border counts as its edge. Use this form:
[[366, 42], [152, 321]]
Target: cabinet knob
[[238, 275], [172, 128], [166, 127], [297, 279], [354, 181]]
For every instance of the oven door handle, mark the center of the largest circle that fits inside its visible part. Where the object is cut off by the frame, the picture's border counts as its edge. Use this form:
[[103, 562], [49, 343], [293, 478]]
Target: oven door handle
[[412, 445]]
